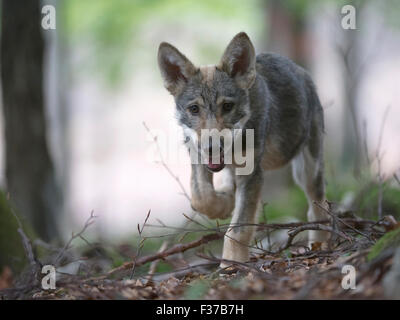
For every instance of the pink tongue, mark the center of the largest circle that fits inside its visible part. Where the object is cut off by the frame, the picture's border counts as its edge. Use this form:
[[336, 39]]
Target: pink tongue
[[215, 165]]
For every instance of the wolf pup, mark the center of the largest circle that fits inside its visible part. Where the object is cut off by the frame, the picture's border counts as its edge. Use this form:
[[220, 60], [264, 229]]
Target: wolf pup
[[268, 94]]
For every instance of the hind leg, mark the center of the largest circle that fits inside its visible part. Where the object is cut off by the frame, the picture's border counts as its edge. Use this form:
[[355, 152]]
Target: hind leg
[[308, 172]]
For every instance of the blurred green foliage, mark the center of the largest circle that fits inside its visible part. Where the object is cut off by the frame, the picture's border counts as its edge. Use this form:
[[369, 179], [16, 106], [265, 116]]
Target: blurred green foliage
[[114, 28], [293, 204], [111, 32], [368, 201]]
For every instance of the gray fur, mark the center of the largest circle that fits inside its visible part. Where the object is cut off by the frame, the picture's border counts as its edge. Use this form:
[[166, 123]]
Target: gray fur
[[271, 95]]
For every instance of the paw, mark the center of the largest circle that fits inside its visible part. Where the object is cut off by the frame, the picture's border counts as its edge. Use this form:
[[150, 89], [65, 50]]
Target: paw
[[234, 251], [220, 206]]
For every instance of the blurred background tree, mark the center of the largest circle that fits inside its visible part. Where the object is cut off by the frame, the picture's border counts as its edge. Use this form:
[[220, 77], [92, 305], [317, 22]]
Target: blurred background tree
[[30, 176]]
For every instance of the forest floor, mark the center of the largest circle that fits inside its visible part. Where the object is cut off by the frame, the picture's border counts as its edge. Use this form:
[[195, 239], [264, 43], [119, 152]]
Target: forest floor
[[344, 268]]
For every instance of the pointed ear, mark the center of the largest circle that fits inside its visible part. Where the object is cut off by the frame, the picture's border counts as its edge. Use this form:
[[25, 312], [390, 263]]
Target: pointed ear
[[175, 68], [239, 60]]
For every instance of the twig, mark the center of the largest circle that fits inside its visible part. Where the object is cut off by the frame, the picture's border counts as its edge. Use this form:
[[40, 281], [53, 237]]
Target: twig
[[140, 246], [260, 226], [379, 157], [341, 220], [178, 248], [312, 226], [175, 177], [26, 242], [268, 230], [241, 265], [334, 225], [154, 264], [366, 142], [67, 246], [182, 271], [196, 222]]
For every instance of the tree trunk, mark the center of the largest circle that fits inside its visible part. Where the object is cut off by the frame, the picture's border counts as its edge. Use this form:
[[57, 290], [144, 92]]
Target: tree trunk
[[29, 170], [288, 36], [287, 32]]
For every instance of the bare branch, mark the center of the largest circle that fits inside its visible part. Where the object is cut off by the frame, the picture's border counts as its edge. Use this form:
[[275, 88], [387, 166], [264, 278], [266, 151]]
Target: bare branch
[[154, 264], [140, 246], [67, 246], [343, 222], [379, 157], [175, 177], [312, 226], [178, 248]]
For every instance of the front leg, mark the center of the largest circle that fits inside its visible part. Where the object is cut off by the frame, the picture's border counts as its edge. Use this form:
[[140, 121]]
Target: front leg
[[238, 239], [205, 199]]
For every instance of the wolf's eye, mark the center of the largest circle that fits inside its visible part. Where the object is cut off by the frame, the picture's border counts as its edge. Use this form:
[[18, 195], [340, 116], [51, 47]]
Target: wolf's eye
[[194, 109], [227, 106]]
